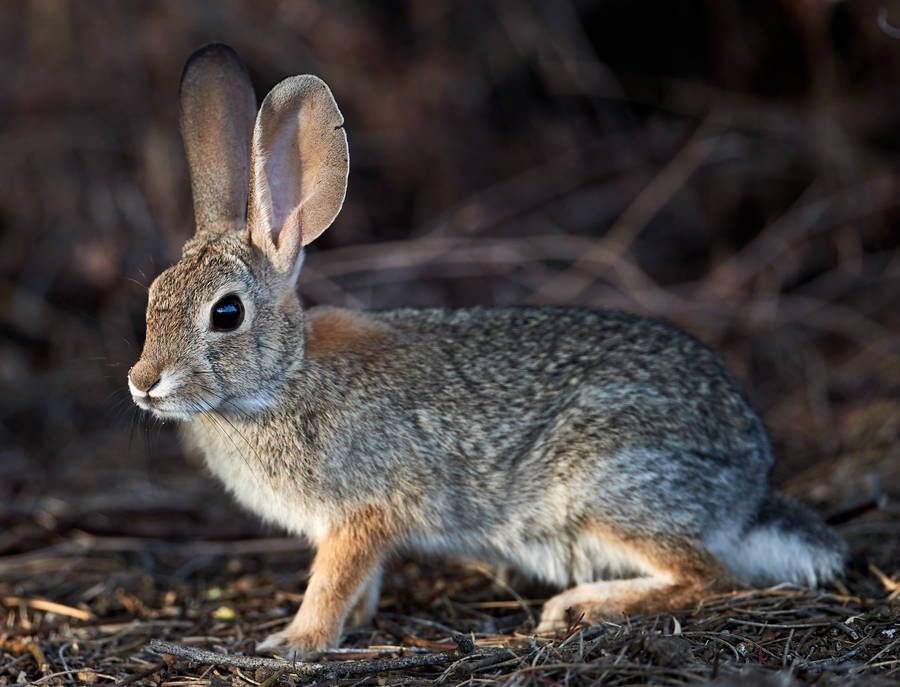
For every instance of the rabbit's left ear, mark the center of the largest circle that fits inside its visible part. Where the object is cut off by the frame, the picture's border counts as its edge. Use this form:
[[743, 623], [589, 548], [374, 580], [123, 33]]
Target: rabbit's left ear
[[299, 169]]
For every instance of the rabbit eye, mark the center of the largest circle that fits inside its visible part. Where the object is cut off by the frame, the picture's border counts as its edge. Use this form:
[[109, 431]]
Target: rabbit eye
[[227, 314]]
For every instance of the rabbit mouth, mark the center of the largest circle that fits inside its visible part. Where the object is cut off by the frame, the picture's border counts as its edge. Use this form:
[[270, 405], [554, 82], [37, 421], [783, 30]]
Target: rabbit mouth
[[164, 408], [170, 409], [160, 399]]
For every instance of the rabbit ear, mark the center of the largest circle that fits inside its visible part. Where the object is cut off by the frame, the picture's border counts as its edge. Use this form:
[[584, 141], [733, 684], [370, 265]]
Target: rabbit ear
[[299, 172], [218, 107]]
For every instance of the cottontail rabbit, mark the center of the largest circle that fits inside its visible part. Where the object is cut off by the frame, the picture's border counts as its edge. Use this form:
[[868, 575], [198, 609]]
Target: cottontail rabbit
[[594, 450]]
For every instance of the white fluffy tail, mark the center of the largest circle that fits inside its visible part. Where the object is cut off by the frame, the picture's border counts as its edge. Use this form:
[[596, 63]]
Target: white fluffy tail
[[785, 542]]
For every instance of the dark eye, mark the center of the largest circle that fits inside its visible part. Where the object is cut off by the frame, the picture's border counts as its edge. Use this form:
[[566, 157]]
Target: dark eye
[[227, 314]]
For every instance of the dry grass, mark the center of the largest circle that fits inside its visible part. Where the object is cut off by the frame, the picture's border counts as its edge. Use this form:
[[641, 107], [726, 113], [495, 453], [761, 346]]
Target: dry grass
[[454, 625]]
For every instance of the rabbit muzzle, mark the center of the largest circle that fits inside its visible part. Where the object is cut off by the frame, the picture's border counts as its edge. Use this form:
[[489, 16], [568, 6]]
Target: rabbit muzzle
[[142, 378], [155, 388]]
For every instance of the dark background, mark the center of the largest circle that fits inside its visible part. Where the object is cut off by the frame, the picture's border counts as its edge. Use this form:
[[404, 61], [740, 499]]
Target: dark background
[[730, 166]]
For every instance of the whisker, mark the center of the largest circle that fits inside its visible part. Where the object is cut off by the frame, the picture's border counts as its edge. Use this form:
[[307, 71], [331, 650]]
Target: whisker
[[135, 281], [146, 420], [242, 414]]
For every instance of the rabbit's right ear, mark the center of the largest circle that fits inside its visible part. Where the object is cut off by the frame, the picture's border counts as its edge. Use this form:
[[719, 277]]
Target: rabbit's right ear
[[300, 164], [218, 107]]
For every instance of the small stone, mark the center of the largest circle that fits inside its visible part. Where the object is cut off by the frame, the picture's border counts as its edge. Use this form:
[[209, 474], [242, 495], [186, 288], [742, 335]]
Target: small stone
[[465, 645]]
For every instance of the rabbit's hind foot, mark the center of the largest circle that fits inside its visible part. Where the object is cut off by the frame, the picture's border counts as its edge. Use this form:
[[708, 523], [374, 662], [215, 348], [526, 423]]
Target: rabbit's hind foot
[[614, 600], [671, 574]]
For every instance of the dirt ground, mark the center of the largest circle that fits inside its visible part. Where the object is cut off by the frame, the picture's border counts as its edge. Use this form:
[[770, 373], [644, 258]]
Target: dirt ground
[[729, 166]]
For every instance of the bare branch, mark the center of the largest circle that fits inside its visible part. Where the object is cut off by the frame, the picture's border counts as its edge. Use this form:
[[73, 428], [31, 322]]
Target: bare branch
[[331, 671]]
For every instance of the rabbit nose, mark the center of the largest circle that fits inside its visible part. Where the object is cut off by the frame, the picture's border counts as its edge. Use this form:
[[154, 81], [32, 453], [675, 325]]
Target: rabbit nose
[[143, 376]]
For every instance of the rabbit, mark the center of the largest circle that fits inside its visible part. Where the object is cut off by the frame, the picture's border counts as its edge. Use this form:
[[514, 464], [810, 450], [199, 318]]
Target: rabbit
[[610, 455]]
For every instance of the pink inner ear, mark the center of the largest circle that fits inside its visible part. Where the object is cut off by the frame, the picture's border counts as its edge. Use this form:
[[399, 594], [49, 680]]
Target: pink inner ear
[[283, 175]]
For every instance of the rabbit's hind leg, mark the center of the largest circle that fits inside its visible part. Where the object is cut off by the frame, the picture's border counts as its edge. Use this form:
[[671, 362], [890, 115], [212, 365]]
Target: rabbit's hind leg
[[672, 573]]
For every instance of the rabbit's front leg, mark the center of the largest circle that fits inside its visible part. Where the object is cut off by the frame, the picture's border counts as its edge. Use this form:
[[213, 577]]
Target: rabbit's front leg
[[347, 559]]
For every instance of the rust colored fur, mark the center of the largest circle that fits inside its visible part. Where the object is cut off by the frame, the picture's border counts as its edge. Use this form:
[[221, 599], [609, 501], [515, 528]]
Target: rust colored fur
[[336, 332], [695, 573]]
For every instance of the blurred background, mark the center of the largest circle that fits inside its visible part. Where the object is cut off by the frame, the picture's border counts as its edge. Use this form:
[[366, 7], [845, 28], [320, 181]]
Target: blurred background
[[729, 166]]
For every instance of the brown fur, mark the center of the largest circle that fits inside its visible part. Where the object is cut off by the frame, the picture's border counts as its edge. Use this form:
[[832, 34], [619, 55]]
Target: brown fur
[[345, 561], [335, 332]]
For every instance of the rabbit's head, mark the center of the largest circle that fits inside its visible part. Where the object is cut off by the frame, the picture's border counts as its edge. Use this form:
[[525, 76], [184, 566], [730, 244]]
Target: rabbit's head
[[224, 325]]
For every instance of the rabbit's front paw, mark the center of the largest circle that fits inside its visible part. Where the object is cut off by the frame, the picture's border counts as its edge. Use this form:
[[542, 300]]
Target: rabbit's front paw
[[296, 645]]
